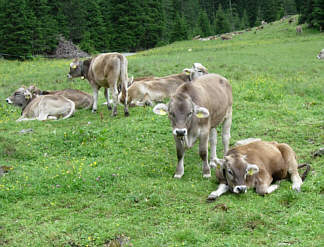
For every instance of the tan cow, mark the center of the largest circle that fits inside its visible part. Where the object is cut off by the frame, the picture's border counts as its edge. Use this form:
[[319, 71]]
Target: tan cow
[[143, 91], [257, 164], [321, 54], [108, 70], [299, 29], [81, 99], [43, 107], [195, 110]]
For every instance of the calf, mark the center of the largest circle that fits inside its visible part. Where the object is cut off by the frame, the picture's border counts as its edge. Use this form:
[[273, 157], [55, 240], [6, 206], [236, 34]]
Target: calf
[[195, 110], [321, 54], [108, 70], [81, 99], [143, 91], [256, 164], [41, 107]]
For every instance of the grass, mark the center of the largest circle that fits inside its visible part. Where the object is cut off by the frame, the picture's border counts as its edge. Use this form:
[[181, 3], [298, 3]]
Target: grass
[[88, 179]]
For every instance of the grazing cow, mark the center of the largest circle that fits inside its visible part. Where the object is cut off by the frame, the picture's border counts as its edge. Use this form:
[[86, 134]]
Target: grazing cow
[[108, 70], [299, 29], [257, 164], [143, 91], [321, 54], [42, 107], [195, 110], [81, 99]]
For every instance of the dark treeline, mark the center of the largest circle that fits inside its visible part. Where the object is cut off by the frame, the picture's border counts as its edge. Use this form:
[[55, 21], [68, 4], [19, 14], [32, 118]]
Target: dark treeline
[[30, 27]]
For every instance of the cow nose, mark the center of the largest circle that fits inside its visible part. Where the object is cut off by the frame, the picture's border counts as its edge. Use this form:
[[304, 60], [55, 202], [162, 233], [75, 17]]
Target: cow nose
[[180, 132], [8, 101], [240, 189], [69, 76]]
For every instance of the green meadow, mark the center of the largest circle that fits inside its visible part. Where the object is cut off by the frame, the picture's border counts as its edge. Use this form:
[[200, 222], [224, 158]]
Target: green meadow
[[92, 178]]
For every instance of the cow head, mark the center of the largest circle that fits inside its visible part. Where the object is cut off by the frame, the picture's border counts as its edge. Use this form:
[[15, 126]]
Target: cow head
[[21, 97], [79, 68], [321, 55], [182, 111], [196, 70], [236, 170]]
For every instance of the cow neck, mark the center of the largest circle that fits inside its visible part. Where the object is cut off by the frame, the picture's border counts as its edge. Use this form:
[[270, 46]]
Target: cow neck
[[28, 102], [83, 72]]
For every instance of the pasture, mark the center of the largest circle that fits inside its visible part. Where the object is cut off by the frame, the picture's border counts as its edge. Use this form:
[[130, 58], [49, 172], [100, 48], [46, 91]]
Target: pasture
[[91, 178]]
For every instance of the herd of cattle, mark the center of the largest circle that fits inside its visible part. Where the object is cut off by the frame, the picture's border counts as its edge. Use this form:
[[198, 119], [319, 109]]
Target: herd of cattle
[[199, 102]]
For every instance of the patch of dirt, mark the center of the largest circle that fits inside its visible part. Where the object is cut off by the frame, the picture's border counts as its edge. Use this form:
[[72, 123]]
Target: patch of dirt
[[119, 241]]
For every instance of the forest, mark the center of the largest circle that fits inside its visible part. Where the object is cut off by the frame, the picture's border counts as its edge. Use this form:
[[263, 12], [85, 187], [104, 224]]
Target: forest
[[32, 27]]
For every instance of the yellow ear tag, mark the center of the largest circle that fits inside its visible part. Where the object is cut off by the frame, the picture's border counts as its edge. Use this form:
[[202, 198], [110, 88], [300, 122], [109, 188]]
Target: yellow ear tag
[[187, 73], [200, 115], [162, 112], [74, 67], [218, 166], [250, 172]]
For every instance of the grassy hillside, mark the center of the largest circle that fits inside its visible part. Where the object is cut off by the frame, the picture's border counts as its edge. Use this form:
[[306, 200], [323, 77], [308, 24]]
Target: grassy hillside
[[88, 179]]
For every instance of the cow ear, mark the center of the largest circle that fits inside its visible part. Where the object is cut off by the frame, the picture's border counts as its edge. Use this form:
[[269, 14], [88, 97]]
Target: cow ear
[[252, 169], [187, 71], [201, 112], [160, 109]]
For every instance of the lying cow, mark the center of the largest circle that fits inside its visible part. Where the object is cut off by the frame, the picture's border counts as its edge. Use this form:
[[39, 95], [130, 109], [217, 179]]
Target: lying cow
[[146, 90], [195, 110], [81, 99], [321, 55], [43, 107], [108, 70], [256, 164]]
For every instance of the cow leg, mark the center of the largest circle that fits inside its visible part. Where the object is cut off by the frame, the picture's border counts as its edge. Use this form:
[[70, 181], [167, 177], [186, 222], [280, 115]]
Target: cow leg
[[107, 98], [203, 152], [226, 131], [222, 188], [95, 89], [266, 187], [180, 155], [114, 91], [213, 144], [125, 89]]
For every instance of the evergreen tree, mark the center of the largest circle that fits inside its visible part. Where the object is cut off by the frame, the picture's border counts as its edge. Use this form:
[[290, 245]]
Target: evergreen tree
[[204, 24], [289, 7], [221, 23], [319, 14], [179, 30], [269, 10], [16, 20], [244, 20]]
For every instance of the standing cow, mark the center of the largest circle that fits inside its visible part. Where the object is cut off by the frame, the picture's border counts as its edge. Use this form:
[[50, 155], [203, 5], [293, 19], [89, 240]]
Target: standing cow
[[299, 29], [257, 164], [195, 110], [108, 70]]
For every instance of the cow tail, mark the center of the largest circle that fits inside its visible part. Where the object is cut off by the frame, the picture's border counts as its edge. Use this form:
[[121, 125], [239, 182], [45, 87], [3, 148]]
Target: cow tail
[[308, 167], [124, 76], [72, 109]]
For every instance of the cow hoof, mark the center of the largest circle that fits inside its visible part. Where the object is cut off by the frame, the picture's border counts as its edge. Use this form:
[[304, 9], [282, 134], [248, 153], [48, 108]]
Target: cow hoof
[[94, 111], [114, 114], [212, 164], [126, 113], [177, 176], [207, 176], [109, 108], [211, 198]]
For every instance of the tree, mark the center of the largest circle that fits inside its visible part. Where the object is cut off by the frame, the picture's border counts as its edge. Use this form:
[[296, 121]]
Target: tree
[[179, 30], [319, 14], [16, 34], [204, 24], [221, 22]]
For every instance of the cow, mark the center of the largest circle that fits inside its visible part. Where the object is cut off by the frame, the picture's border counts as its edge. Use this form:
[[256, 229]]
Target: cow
[[321, 54], [143, 91], [81, 99], [195, 110], [108, 70], [299, 29], [44, 107], [257, 164]]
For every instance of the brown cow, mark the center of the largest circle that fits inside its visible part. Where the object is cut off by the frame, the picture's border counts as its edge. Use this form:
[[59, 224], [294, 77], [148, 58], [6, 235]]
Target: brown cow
[[81, 99], [256, 164], [299, 29], [42, 107], [146, 90], [195, 110], [108, 70]]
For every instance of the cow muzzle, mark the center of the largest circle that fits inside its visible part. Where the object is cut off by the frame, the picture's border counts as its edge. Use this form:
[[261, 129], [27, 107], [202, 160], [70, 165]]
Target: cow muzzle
[[240, 189], [179, 132], [8, 101], [69, 76]]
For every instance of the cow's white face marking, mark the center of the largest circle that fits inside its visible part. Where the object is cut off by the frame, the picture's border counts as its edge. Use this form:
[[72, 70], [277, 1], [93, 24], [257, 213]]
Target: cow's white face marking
[[9, 101], [240, 189]]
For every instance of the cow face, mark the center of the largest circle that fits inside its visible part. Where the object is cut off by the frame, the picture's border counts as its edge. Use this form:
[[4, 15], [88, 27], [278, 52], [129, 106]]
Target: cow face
[[236, 171], [321, 55], [75, 69], [20, 97], [181, 111], [197, 70]]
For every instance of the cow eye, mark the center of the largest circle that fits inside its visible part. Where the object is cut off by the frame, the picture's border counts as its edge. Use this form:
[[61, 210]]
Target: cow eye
[[230, 172]]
